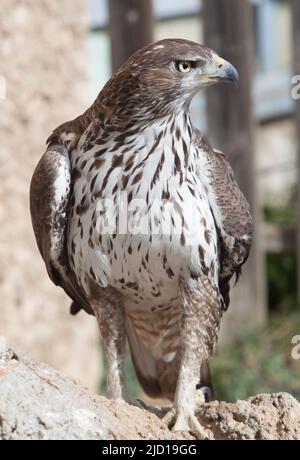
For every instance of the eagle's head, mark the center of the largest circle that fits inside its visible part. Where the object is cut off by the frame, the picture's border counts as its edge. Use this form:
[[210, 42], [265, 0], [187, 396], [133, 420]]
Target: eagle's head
[[165, 75]]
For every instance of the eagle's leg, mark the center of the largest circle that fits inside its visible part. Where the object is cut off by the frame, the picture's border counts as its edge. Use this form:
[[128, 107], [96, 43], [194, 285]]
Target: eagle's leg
[[199, 330], [185, 401], [111, 320], [182, 416]]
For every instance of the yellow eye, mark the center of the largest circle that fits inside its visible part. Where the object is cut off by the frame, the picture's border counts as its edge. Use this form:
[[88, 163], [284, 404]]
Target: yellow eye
[[184, 66]]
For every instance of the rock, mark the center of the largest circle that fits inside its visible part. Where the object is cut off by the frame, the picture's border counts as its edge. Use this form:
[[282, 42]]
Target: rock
[[264, 416], [37, 402]]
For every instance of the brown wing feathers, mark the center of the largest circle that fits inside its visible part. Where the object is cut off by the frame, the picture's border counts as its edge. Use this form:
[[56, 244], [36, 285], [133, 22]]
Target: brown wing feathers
[[236, 227], [50, 192]]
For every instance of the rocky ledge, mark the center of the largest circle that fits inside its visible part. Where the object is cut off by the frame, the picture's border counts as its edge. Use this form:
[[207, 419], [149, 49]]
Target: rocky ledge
[[37, 402]]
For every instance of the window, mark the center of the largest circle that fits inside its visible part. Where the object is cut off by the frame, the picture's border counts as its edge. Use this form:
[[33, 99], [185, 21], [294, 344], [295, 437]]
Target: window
[[273, 51]]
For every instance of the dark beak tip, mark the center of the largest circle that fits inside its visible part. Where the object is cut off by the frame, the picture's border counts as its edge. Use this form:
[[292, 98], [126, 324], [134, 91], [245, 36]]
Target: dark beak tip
[[234, 76], [230, 74], [236, 82]]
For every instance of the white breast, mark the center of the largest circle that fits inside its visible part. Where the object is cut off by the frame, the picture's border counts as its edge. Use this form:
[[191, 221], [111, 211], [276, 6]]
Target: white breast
[[161, 239]]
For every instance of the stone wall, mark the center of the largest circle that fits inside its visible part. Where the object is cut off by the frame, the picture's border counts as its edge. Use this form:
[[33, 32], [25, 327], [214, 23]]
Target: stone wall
[[43, 59]]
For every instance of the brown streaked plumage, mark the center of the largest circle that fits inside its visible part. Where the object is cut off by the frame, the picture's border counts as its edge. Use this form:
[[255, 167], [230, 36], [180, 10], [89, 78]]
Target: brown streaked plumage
[[161, 280]]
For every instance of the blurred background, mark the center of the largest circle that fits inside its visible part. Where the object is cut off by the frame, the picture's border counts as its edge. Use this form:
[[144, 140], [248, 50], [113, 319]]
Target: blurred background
[[55, 55]]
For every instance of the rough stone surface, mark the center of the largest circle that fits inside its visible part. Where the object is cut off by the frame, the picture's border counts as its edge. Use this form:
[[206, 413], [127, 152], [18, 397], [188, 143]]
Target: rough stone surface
[[43, 55], [264, 416], [36, 402]]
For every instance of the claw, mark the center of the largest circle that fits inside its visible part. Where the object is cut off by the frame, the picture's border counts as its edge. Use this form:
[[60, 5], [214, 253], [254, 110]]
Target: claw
[[138, 403], [199, 399], [202, 395], [135, 402], [169, 417], [206, 391], [180, 419]]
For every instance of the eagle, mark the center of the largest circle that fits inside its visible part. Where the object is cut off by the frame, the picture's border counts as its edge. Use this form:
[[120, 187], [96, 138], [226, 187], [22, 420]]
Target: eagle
[[143, 225]]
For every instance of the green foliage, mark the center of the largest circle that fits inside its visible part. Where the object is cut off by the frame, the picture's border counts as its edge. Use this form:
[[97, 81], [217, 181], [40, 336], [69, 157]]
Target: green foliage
[[280, 215], [282, 281], [134, 388], [282, 268], [259, 362]]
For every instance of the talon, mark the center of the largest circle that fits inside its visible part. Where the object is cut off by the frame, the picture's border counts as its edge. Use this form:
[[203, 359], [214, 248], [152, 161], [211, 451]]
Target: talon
[[202, 395], [133, 402], [168, 418], [182, 423], [140, 403], [208, 394], [137, 402], [206, 391], [199, 399], [184, 420]]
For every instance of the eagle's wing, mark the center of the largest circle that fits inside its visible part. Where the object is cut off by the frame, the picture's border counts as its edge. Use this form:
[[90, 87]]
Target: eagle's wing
[[230, 210], [50, 191]]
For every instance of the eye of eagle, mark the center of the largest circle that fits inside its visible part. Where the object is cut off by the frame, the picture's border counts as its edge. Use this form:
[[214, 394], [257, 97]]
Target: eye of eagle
[[185, 66]]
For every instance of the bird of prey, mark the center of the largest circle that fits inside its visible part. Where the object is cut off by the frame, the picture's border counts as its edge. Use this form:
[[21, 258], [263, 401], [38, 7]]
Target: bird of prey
[[142, 223]]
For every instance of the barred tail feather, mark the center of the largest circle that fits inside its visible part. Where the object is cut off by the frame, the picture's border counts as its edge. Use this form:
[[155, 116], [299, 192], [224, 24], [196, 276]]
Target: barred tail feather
[[157, 377], [144, 363]]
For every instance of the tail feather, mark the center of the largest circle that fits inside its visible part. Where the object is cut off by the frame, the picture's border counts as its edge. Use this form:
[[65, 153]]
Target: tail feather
[[157, 377], [144, 363]]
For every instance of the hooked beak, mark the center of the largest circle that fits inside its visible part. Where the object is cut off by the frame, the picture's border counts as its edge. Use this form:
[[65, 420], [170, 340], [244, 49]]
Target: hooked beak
[[223, 71], [227, 72]]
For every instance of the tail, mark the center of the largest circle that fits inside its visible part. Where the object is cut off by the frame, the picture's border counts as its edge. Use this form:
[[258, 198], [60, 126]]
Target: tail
[[159, 378], [144, 363]]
